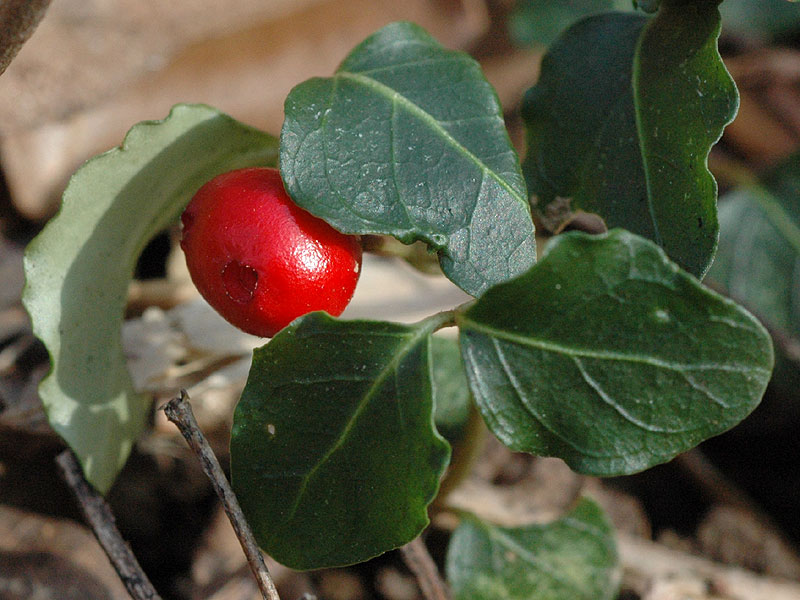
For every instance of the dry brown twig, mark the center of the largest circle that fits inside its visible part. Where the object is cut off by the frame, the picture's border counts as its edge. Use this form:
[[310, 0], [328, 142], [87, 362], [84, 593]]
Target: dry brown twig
[[419, 561], [179, 411], [415, 554], [99, 516]]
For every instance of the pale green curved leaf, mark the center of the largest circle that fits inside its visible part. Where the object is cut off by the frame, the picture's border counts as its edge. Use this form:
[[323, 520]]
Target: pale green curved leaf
[[408, 139], [622, 120], [609, 356], [78, 270], [574, 557], [334, 456]]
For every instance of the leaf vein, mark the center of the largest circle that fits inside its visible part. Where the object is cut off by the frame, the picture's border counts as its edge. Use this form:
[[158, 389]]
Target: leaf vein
[[643, 151], [556, 348], [605, 397], [392, 127], [420, 113], [410, 63], [520, 393], [544, 568], [390, 368]]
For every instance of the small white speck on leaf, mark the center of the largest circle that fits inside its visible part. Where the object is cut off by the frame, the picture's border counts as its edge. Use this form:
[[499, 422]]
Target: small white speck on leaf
[[661, 315]]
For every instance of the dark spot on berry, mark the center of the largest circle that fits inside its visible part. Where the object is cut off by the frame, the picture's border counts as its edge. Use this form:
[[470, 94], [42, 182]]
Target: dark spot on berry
[[240, 281]]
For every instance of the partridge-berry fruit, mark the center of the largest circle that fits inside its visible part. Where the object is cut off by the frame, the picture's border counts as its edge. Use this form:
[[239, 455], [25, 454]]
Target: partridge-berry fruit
[[260, 260]]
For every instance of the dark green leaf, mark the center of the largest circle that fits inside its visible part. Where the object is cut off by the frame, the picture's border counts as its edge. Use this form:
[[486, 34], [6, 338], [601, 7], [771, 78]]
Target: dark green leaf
[[408, 139], [78, 270], [451, 397], [541, 21], [609, 356], [758, 260], [622, 121], [574, 557], [334, 456]]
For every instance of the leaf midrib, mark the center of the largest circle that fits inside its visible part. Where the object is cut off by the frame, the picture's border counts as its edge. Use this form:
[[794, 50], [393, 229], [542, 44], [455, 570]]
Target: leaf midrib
[[506, 541], [395, 96], [377, 384], [467, 324], [635, 68]]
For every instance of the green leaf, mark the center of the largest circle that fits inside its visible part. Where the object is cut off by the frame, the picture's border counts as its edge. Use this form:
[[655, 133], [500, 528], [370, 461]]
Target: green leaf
[[760, 19], [408, 139], [334, 456], [624, 130], [574, 557], [609, 356], [758, 260], [541, 21], [451, 397], [78, 270]]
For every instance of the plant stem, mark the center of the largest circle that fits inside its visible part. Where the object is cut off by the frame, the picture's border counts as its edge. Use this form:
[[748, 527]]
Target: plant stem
[[99, 516], [179, 411], [465, 453], [416, 254], [419, 561], [440, 320]]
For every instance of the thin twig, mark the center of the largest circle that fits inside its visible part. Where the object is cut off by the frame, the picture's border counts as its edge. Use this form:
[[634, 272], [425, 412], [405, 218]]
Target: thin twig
[[179, 411], [99, 516], [419, 561]]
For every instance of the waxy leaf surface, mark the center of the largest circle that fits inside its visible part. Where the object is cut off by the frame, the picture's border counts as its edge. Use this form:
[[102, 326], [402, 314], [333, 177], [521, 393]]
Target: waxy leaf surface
[[78, 270], [609, 356], [334, 456], [408, 139], [622, 120], [574, 557], [758, 260]]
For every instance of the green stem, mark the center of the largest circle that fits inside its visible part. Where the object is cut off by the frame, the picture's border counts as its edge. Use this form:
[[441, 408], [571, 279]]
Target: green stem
[[465, 453], [446, 318], [417, 254]]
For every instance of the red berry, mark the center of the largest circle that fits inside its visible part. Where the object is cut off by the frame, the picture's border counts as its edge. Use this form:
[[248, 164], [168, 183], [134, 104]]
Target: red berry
[[260, 260]]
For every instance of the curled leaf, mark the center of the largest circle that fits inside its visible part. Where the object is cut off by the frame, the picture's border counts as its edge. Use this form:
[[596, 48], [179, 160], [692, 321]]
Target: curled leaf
[[78, 270]]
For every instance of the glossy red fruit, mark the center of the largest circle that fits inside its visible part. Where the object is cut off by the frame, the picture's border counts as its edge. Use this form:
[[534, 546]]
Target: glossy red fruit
[[260, 260]]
